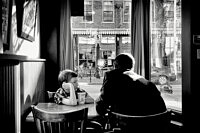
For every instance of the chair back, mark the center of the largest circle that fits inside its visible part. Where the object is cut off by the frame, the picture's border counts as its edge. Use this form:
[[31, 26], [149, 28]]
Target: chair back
[[156, 123], [66, 122], [50, 96]]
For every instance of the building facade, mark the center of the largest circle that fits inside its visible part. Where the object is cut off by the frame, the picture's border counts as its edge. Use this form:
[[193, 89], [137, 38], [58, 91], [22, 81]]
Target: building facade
[[102, 33]]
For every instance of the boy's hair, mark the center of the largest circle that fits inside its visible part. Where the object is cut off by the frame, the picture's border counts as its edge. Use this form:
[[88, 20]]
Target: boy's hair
[[124, 61], [65, 76]]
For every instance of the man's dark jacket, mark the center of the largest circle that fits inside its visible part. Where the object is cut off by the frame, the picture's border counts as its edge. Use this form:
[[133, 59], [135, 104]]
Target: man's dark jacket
[[126, 96]]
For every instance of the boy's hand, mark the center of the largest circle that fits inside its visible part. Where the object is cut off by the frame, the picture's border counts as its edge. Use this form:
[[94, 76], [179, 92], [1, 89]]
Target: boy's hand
[[66, 87]]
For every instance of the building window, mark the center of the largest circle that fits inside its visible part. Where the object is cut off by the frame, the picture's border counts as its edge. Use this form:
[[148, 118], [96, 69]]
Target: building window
[[126, 39], [153, 16], [108, 11], [94, 39], [126, 11], [86, 54], [88, 11], [166, 60], [108, 39]]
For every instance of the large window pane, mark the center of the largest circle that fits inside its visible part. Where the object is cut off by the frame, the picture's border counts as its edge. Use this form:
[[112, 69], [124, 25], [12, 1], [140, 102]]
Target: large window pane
[[166, 68], [96, 44]]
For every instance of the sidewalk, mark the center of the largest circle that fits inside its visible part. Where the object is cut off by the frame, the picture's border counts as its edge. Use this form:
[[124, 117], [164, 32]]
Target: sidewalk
[[91, 81]]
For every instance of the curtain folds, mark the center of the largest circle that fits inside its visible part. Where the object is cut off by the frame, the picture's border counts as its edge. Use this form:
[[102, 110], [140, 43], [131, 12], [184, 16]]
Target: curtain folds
[[65, 47], [141, 36]]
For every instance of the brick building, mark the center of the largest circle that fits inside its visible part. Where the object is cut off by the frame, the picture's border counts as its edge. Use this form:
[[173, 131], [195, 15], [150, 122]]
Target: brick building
[[102, 33]]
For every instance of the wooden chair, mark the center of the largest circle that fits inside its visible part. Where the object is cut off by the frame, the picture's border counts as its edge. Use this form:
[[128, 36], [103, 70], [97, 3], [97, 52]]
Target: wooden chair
[[156, 123], [50, 95], [92, 126], [70, 122]]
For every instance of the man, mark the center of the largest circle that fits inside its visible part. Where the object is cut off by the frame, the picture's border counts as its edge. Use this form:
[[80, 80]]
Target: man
[[128, 93]]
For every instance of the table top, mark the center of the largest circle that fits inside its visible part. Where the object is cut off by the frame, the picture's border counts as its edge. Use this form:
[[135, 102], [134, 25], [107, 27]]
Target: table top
[[57, 108]]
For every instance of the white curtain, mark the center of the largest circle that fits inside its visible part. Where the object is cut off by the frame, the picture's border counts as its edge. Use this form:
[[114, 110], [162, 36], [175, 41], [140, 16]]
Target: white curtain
[[66, 48]]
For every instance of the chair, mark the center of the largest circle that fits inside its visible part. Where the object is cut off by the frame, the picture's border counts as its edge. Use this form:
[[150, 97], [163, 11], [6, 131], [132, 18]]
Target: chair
[[50, 96], [156, 123], [92, 126], [70, 122]]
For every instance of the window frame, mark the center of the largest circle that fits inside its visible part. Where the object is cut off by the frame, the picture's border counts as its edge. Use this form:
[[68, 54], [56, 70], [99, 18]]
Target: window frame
[[113, 11], [129, 21], [85, 11]]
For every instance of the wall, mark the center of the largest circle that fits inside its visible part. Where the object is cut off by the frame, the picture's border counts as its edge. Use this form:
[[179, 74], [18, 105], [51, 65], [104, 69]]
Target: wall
[[27, 78], [46, 39], [22, 83], [32, 79], [191, 65], [21, 46], [195, 65]]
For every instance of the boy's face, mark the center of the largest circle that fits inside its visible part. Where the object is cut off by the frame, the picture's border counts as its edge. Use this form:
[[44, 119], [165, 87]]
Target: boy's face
[[74, 81]]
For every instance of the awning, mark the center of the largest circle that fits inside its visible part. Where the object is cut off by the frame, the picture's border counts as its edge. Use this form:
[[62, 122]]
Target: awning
[[101, 31]]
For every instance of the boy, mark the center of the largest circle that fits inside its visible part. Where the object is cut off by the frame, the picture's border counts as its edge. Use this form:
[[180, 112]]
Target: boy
[[67, 93]]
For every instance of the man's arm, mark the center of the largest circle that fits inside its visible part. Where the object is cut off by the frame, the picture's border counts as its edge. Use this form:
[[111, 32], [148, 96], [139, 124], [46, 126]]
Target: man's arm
[[102, 102]]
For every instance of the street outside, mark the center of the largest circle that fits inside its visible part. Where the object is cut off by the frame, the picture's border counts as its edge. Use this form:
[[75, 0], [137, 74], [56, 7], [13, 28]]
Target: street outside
[[93, 85]]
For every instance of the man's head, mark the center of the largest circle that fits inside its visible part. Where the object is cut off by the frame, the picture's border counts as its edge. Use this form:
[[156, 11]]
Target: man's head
[[124, 61]]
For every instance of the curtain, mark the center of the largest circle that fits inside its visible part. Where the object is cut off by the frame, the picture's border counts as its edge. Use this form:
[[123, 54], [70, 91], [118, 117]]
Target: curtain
[[140, 35], [65, 47]]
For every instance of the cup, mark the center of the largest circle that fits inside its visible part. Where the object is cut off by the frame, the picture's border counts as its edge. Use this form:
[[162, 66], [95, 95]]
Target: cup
[[81, 97]]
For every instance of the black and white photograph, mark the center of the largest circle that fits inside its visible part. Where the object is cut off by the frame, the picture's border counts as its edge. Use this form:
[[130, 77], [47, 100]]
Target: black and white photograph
[[99, 66]]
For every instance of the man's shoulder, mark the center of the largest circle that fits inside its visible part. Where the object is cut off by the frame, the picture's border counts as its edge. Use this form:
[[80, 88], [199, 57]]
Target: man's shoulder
[[114, 73], [147, 84], [145, 81]]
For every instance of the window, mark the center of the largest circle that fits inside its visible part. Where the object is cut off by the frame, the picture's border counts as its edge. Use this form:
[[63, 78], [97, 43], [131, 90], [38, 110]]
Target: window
[[165, 47], [108, 51], [126, 40], [108, 11], [88, 11], [126, 44], [108, 39], [126, 11], [86, 52], [166, 60], [96, 44]]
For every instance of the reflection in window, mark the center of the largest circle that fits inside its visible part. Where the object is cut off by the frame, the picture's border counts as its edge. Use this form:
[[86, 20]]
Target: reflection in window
[[108, 11], [166, 69]]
